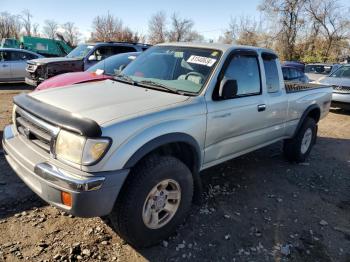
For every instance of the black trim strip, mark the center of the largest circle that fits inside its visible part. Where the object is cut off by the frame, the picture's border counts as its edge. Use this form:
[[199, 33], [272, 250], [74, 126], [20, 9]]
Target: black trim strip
[[58, 117]]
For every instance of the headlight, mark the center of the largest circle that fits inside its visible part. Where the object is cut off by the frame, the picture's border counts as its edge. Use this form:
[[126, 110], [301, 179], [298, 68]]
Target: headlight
[[78, 149]]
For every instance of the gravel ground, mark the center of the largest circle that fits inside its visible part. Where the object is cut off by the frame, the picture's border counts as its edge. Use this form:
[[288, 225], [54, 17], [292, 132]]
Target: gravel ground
[[257, 207]]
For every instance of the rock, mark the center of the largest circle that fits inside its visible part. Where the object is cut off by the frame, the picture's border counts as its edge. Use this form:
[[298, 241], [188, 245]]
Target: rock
[[181, 246], [227, 216], [285, 250], [165, 243], [24, 213], [323, 223], [57, 257], [279, 200], [86, 252], [14, 249], [227, 237], [79, 257], [104, 243]]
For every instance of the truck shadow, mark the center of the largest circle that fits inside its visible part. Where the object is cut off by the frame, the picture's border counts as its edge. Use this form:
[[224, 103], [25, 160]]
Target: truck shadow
[[246, 197]]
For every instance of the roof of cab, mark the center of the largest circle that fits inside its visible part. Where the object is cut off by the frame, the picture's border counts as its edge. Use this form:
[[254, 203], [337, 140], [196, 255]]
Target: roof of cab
[[217, 46]]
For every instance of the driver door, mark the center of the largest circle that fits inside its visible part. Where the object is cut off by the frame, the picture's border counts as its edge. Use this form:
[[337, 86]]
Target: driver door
[[237, 124]]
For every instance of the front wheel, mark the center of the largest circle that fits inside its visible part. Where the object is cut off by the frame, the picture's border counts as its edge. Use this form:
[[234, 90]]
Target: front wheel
[[298, 148], [154, 201]]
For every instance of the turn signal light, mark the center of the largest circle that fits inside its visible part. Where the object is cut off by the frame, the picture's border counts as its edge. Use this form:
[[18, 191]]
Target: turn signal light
[[66, 198]]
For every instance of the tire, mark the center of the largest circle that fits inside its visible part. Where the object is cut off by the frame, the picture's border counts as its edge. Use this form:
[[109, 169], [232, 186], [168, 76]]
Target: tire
[[298, 148], [128, 216]]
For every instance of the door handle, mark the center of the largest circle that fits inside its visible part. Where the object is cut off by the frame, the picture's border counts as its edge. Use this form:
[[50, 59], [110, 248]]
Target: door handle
[[261, 107]]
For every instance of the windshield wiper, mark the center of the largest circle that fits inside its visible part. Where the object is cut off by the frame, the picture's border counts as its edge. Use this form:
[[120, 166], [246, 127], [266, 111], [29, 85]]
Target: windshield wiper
[[150, 83], [125, 79]]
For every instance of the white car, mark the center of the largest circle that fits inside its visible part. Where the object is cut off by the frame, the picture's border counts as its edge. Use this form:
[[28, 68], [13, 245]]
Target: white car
[[13, 64]]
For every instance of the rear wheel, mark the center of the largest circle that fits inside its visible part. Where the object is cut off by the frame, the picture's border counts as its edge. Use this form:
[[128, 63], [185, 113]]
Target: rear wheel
[[154, 201], [298, 148]]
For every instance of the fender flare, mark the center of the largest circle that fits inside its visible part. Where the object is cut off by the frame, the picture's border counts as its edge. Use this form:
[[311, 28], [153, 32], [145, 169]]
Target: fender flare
[[163, 140], [304, 116]]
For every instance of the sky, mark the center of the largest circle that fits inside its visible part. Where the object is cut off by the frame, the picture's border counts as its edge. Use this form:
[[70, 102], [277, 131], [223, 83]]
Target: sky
[[210, 17]]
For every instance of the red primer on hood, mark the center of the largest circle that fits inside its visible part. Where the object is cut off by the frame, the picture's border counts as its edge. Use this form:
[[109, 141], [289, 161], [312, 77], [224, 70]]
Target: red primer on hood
[[71, 79]]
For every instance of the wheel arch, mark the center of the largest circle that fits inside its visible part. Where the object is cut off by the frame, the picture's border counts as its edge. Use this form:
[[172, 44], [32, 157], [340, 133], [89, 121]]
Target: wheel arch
[[180, 145], [312, 111]]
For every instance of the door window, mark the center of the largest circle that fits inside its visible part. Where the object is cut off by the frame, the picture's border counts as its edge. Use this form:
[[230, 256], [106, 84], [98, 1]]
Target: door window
[[5, 56], [22, 56], [245, 70], [271, 73]]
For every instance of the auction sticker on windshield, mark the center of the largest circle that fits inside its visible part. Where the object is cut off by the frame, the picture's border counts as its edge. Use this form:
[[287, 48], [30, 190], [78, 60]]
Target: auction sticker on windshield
[[201, 60]]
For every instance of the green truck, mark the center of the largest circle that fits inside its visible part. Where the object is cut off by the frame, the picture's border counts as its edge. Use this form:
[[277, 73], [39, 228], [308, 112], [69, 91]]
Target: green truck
[[44, 46]]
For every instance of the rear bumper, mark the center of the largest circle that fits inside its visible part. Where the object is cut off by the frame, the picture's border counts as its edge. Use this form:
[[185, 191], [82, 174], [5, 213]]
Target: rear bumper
[[341, 100], [92, 194]]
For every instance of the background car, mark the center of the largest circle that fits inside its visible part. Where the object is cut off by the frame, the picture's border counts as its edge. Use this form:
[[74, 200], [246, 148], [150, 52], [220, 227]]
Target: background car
[[316, 71], [105, 69], [294, 74], [340, 81], [79, 59], [13, 64], [295, 64]]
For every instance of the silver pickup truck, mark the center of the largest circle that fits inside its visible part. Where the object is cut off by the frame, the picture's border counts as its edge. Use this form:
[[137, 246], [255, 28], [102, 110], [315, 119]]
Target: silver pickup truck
[[133, 147]]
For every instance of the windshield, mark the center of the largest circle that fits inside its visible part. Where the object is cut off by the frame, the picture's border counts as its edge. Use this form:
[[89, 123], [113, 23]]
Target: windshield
[[342, 72], [115, 64], [183, 69], [80, 51], [318, 69]]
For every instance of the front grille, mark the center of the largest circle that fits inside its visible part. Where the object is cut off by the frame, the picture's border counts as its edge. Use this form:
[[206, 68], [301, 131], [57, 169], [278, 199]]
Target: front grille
[[36, 130], [341, 89]]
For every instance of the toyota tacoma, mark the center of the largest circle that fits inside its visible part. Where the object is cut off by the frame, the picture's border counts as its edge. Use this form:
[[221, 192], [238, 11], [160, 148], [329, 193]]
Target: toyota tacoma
[[132, 147]]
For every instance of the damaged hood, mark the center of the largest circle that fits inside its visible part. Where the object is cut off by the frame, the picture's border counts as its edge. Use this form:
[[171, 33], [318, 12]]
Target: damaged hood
[[107, 100], [41, 61]]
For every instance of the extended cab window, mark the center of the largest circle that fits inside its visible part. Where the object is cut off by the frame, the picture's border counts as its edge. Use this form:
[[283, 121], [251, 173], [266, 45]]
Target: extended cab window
[[245, 70], [271, 73]]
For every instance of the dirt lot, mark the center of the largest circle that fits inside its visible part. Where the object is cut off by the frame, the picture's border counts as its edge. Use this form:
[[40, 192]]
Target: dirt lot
[[258, 207]]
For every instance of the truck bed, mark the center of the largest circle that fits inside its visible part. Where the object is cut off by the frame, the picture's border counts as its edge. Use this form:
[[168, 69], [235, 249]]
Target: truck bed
[[292, 87]]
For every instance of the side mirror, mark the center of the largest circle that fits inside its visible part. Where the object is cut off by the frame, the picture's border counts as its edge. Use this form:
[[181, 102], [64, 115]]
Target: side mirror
[[228, 88], [92, 58]]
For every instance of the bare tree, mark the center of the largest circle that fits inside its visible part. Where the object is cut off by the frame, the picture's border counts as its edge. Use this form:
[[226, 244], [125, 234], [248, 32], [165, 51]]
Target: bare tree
[[330, 21], [10, 25], [26, 18], [246, 31], [110, 28], [106, 28], [285, 15], [71, 33], [182, 30], [50, 28], [157, 28], [36, 30]]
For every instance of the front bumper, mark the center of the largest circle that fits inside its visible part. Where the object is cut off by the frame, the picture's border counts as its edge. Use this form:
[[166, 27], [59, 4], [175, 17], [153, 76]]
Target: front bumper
[[31, 82], [92, 194]]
